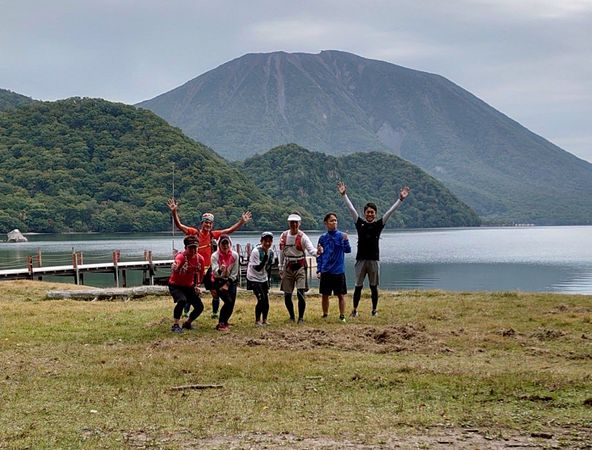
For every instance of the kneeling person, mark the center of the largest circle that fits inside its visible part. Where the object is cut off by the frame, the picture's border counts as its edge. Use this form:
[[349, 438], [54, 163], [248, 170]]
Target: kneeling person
[[186, 276]]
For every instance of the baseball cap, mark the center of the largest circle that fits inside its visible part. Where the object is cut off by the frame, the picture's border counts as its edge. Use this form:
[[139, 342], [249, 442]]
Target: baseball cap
[[207, 217], [267, 234], [294, 217], [190, 241]]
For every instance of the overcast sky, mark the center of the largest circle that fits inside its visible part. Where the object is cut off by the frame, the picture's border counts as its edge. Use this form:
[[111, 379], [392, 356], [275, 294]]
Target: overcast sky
[[530, 59]]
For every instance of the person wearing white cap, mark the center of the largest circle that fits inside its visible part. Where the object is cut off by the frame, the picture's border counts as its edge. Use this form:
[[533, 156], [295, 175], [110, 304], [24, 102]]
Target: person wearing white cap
[[207, 238], [294, 245]]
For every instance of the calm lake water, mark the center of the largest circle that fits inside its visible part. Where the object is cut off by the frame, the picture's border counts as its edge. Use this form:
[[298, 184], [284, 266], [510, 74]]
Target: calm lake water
[[542, 259]]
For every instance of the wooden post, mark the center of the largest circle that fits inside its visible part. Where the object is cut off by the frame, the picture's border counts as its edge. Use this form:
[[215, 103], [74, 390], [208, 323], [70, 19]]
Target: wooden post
[[115, 258], [39, 261], [124, 277], [30, 266], [151, 265], [75, 267]]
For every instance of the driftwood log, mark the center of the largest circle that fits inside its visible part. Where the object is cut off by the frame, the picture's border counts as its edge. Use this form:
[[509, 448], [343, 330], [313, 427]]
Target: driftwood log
[[109, 293], [197, 386]]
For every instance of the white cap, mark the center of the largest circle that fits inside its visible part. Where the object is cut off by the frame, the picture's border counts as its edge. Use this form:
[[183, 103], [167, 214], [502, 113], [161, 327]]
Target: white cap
[[294, 217]]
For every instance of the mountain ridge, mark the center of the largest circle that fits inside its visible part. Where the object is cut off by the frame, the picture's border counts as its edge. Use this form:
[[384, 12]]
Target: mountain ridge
[[339, 103]]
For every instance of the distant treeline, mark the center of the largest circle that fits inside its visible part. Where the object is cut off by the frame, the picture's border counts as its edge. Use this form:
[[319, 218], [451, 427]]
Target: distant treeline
[[92, 165]]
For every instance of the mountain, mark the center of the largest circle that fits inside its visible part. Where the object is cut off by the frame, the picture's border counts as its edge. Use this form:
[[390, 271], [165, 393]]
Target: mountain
[[10, 100], [93, 165], [340, 103], [307, 180]]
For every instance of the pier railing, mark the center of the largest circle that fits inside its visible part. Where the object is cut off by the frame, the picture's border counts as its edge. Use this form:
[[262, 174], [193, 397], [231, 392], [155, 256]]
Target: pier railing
[[76, 265]]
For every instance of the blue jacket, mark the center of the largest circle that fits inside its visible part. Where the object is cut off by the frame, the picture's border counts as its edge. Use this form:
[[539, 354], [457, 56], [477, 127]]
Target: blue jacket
[[332, 260]]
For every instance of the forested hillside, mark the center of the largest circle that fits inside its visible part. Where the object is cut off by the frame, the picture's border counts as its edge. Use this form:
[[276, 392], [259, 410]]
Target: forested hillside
[[10, 100], [92, 165], [307, 181]]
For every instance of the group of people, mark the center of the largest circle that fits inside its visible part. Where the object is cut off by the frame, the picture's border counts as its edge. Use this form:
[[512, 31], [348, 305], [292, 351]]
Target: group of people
[[208, 258]]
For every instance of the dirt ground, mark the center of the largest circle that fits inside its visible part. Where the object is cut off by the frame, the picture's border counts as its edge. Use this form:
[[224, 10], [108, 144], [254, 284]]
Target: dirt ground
[[433, 439]]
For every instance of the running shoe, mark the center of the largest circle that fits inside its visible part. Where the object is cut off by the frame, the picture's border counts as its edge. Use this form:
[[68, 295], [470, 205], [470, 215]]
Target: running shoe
[[354, 313], [214, 315], [187, 325], [258, 323], [222, 327], [301, 320], [374, 313], [324, 316], [176, 328], [342, 319]]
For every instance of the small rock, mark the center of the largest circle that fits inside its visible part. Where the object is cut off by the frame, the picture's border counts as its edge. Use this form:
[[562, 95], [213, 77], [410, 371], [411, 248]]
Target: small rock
[[15, 236]]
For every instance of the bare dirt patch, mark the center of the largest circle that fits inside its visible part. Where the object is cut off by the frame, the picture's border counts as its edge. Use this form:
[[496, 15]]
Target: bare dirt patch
[[372, 339], [432, 438]]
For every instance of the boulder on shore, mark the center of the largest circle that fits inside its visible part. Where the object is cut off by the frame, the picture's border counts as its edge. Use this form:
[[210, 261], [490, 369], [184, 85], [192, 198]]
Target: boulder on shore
[[15, 236]]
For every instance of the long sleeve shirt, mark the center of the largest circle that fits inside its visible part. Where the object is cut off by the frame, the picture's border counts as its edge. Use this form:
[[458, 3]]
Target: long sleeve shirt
[[335, 246]]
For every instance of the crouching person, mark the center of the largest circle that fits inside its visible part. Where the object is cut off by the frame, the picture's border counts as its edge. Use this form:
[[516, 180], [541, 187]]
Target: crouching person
[[186, 276], [225, 271]]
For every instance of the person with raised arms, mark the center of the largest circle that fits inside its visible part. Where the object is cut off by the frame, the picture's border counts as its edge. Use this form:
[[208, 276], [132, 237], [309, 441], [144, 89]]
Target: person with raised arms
[[368, 253], [186, 275], [207, 240]]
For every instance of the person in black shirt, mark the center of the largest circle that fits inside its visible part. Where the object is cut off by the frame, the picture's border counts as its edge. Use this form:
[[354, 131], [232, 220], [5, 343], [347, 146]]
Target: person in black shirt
[[368, 254]]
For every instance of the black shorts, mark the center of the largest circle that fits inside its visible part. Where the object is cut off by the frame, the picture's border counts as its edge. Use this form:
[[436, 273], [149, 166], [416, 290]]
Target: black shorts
[[332, 284], [207, 281], [184, 294]]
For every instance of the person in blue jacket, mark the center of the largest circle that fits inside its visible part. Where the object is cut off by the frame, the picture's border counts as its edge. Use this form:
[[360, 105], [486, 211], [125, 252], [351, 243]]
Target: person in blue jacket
[[331, 265]]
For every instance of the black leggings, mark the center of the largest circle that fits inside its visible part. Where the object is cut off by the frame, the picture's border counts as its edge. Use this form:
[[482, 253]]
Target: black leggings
[[261, 291], [183, 295], [290, 305], [228, 297], [373, 296]]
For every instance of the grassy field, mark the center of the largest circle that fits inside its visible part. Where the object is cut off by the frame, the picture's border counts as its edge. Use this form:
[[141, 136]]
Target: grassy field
[[433, 370]]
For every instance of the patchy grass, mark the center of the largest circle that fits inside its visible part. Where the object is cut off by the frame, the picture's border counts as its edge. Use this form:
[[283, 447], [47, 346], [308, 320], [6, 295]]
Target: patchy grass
[[433, 370]]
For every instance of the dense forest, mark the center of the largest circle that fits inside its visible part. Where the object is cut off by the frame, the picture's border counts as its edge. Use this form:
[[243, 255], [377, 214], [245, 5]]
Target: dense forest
[[93, 165], [308, 180], [11, 100]]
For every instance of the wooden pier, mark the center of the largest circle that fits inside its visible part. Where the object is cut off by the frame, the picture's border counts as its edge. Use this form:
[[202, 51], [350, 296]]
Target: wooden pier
[[34, 268]]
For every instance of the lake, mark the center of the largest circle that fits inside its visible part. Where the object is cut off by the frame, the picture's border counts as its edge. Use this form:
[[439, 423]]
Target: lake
[[537, 259]]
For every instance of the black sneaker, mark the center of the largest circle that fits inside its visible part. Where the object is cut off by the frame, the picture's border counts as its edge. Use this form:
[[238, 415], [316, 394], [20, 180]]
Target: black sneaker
[[342, 319], [324, 316], [187, 325], [354, 314], [176, 328], [301, 320], [374, 313]]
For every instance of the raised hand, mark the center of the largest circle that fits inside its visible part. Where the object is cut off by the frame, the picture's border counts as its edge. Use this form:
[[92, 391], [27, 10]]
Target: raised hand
[[404, 192], [246, 216], [341, 187], [172, 204]]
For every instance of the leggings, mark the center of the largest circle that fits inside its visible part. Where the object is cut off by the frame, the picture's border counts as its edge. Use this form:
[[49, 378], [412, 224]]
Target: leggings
[[183, 295], [373, 295], [290, 305], [228, 297], [261, 291]]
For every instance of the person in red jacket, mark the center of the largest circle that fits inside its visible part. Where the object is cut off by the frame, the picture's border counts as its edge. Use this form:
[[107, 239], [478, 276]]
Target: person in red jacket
[[186, 276], [207, 237]]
